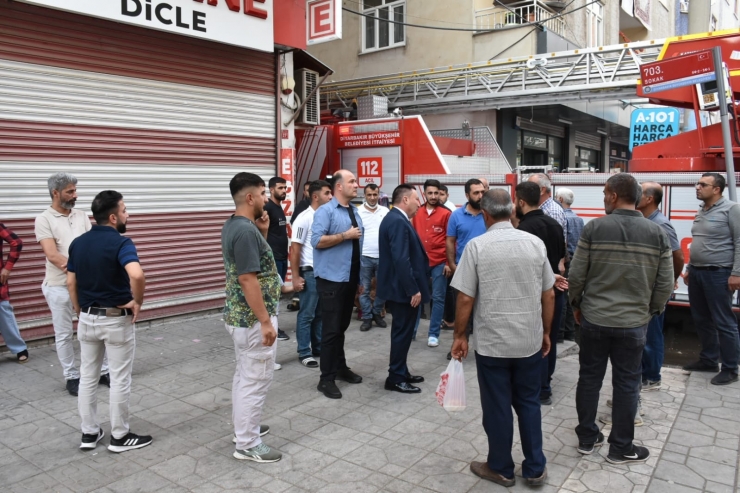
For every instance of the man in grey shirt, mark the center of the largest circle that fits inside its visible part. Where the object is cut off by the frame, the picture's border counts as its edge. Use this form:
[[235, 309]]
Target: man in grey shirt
[[652, 355], [714, 276], [510, 337]]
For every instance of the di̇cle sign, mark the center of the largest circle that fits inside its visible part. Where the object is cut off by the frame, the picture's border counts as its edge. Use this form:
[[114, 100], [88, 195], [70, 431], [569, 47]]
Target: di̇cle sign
[[245, 23]]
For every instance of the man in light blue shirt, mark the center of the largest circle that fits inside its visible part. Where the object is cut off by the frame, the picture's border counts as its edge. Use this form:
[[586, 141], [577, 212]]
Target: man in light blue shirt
[[336, 237], [652, 355], [465, 224]]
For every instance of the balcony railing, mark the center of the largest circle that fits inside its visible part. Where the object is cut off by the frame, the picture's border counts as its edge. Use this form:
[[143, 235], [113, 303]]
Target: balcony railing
[[519, 13]]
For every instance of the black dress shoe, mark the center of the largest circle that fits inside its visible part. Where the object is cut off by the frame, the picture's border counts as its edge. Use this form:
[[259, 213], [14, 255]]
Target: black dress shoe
[[349, 376], [379, 321], [366, 325], [402, 387], [329, 389], [414, 379]]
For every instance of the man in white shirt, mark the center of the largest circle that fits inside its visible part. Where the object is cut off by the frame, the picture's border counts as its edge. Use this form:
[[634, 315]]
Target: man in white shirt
[[55, 229], [308, 326], [444, 198], [372, 215]]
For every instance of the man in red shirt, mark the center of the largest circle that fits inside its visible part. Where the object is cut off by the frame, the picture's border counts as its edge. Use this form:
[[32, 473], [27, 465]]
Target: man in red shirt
[[431, 225], [8, 325]]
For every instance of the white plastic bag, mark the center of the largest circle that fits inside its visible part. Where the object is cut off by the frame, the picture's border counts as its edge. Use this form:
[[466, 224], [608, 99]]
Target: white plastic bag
[[451, 389]]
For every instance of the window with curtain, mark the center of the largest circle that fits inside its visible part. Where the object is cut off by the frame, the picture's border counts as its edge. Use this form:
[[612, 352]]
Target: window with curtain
[[377, 32]]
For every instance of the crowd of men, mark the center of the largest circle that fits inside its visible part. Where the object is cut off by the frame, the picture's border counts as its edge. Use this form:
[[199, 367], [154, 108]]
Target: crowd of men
[[513, 276]]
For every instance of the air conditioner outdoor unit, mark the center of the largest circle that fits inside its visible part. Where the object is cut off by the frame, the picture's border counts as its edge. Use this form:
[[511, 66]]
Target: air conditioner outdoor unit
[[684, 6], [306, 80]]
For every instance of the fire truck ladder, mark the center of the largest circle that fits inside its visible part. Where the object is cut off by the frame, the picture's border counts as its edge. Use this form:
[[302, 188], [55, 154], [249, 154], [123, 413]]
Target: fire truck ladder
[[608, 72]]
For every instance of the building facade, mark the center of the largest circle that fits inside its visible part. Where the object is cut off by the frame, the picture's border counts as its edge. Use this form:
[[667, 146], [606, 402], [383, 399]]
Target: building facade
[[163, 103], [575, 134]]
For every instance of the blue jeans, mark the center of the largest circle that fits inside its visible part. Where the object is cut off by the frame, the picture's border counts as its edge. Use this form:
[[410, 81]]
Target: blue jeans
[[439, 293], [9, 328], [623, 347], [652, 355], [308, 326], [282, 268], [548, 363], [368, 270], [711, 308], [507, 382]]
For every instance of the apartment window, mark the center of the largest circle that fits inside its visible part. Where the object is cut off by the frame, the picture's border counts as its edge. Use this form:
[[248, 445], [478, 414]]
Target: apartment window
[[595, 25], [377, 32]]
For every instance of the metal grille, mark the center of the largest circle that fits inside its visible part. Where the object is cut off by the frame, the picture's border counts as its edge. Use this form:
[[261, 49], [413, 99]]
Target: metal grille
[[485, 147], [588, 141], [308, 80]]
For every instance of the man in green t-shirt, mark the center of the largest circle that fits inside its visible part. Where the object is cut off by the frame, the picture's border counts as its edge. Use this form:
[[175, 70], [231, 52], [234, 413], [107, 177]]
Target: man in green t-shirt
[[250, 314]]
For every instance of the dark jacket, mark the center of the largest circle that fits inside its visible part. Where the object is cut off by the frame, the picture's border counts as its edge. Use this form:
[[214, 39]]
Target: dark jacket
[[549, 231], [403, 265]]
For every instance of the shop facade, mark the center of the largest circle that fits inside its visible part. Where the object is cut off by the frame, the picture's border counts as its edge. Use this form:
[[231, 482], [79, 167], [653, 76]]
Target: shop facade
[[164, 106]]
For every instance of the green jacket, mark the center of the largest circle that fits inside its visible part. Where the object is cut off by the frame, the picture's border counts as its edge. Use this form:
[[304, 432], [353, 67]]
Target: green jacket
[[622, 271]]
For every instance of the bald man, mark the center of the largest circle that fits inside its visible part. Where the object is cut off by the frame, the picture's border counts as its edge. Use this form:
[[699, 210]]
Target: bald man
[[336, 237], [652, 355]]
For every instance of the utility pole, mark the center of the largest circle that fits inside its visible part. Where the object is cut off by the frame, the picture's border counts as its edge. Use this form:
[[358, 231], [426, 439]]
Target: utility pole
[[700, 12]]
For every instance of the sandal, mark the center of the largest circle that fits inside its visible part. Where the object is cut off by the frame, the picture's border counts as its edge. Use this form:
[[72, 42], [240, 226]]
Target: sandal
[[22, 356]]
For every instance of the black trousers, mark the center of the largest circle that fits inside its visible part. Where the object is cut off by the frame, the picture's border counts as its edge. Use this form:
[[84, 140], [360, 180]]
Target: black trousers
[[623, 347], [402, 330], [450, 301], [337, 303]]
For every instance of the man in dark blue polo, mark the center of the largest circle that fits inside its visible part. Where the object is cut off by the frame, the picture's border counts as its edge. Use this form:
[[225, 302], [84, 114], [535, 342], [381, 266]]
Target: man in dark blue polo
[[336, 237], [106, 287]]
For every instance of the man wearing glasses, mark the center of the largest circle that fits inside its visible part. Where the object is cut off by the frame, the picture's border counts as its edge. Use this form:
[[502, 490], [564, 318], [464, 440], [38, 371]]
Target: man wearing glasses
[[714, 276]]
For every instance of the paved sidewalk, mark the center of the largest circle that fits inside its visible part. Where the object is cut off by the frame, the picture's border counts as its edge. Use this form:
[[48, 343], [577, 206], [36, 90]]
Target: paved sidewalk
[[369, 441]]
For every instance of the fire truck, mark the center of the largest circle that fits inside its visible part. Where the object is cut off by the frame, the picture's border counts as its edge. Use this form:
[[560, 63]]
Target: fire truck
[[402, 149]]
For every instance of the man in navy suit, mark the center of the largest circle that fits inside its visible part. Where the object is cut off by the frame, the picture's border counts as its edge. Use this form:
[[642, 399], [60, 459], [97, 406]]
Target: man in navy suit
[[403, 272]]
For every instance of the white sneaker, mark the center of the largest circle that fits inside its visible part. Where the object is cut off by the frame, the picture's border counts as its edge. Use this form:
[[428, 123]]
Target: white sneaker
[[278, 366], [433, 342]]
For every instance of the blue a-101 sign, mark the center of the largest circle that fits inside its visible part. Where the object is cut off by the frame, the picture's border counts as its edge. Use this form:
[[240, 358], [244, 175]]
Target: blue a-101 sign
[[651, 124]]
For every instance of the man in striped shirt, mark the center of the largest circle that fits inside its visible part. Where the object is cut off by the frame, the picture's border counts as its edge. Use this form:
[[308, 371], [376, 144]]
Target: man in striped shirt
[[620, 277], [511, 335]]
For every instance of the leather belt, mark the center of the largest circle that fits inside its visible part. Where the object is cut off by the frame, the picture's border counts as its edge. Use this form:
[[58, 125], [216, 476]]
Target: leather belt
[[710, 267], [307, 268], [108, 312]]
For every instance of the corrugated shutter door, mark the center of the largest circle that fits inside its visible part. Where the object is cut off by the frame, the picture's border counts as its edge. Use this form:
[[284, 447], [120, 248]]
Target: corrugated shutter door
[[166, 120], [588, 141]]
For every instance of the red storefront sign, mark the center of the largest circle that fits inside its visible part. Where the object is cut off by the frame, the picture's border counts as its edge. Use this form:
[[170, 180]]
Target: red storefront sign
[[677, 72], [286, 171], [323, 21]]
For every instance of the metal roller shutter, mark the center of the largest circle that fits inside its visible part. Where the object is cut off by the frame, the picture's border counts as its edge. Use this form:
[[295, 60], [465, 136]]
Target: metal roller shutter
[[164, 119], [588, 141]]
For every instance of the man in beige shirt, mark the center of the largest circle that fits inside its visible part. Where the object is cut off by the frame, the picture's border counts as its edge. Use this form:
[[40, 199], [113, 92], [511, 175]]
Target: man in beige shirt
[[55, 229]]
